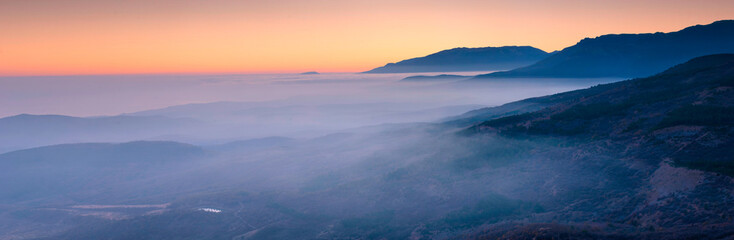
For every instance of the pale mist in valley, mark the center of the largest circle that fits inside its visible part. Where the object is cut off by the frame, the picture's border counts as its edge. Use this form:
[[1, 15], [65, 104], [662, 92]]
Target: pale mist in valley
[[511, 120], [210, 109], [248, 156]]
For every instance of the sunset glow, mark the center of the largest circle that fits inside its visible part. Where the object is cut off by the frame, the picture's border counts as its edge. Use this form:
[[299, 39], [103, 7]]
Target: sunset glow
[[69, 37]]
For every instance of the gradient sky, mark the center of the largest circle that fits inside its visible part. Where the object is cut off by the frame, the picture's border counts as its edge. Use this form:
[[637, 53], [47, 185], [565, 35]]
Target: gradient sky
[[69, 37]]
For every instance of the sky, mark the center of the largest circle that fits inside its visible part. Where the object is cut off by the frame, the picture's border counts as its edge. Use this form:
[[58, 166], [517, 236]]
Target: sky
[[87, 37]]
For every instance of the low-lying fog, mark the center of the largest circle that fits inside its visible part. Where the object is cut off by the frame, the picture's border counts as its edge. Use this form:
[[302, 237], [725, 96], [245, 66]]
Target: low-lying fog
[[288, 156], [210, 109]]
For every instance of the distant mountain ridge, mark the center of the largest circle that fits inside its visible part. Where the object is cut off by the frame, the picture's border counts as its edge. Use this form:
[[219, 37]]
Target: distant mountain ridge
[[26, 130], [467, 59], [631, 55]]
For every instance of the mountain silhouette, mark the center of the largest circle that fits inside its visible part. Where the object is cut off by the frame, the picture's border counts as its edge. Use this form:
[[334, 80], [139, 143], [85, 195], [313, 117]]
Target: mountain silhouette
[[467, 59], [631, 55]]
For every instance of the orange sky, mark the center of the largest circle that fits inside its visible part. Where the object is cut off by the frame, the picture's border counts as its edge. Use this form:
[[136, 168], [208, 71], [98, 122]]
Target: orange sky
[[68, 37]]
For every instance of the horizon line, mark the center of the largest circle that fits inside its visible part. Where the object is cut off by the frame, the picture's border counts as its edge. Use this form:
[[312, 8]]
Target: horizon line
[[172, 74]]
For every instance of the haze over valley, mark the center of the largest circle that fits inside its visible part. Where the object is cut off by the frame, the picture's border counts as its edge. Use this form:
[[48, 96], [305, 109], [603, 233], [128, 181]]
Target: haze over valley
[[615, 136]]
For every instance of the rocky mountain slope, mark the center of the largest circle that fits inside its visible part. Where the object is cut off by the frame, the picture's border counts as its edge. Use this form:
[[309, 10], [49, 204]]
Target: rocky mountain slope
[[670, 136], [687, 110]]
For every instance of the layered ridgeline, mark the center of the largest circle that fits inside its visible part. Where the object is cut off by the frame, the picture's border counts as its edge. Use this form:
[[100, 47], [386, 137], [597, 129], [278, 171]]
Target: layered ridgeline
[[215, 122], [645, 158], [631, 55], [467, 59]]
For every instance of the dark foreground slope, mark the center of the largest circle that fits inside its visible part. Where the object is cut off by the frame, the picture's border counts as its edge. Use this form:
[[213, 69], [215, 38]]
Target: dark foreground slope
[[467, 59], [631, 55], [681, 120], [685, 113]]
